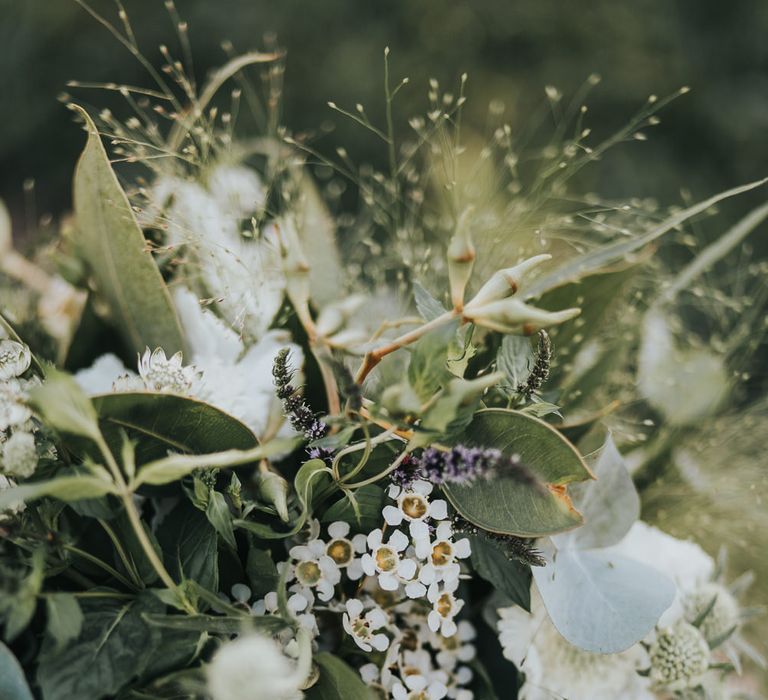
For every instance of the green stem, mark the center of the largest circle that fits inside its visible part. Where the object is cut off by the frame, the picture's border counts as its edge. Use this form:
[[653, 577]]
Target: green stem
[[101, 564]]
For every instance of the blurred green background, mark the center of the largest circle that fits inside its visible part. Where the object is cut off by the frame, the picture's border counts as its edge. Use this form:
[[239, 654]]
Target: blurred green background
[[709, 140]]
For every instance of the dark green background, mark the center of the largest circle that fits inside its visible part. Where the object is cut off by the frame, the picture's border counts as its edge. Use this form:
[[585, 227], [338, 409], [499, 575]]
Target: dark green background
[[709, 140]]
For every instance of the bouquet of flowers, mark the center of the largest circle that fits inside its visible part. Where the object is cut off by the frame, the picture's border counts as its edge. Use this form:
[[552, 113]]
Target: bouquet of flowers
[[256, 446]]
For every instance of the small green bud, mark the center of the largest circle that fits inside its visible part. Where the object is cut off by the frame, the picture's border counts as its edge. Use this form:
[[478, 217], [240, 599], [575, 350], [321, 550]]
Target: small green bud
[[274, 490]]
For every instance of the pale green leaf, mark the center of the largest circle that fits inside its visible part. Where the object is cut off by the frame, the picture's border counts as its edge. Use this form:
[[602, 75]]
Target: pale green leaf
[[65, 619]]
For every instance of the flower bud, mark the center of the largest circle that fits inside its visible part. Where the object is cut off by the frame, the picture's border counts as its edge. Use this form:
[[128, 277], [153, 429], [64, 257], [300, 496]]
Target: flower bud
[[274, 490], [679, 657], [506, 282], [461, 259], [15, 359], [513, 316]]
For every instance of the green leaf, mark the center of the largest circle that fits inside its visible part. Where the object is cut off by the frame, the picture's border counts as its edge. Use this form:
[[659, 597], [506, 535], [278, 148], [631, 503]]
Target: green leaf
[[428, 307], [64, 405], [217, 512], [114, 646], [337, 680], [511, 506], [370, 500], [218, 624], [261, 571], [428, 370], [13, 684], [65, 488], [111, 242], [617, 252], [508, 576], [189, 546], [311, 481], [515, 359], [65, 619], [162, 422]]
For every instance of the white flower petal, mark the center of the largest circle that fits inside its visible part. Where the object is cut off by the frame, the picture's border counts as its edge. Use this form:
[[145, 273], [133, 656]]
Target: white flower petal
[[338, 530], [398, 541], [438, 510], [393, 515]]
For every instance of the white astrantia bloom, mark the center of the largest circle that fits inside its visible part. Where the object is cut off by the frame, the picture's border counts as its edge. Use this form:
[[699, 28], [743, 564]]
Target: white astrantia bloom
[[440, 552], [15, 359], [313, 568], [254, 668], [100, 377], [362, 625], [19, 455], [168, 374], [343, 550], [413, 505], [387, 562], [14, 411], [445, 607]]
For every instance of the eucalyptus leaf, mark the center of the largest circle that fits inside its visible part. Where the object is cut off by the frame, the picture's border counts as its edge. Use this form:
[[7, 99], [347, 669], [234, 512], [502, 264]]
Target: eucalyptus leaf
[[600, 601], [511, 506], [337, 680], [110, 241], [13, 684]]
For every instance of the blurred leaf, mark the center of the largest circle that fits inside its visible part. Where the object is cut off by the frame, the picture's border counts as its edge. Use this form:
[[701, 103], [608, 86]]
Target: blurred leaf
[[610, 504], [427, 370], [337, 681], [515, 359], [217, 624], [65, 619], [13, 684], [64, 405], [599, 601], [65, 488], [113, 245], [114, 646], [511, 506], [428, 307], [508, 576]]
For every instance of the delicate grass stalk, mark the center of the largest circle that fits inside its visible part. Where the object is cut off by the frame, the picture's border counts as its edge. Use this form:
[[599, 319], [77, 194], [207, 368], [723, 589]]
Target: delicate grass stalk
[[101, 564]]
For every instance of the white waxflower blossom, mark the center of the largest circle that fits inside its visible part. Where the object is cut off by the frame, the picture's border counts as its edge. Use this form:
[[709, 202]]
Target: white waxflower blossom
[[441, 552], [413, 505], [15, 359], [679, 657], [361, 625], [386, 561], [20, 455], [722, 610], [445, 606], [456, 649], [419, 680], [299, 603], [313, 568], [253, 668], [6, 483], [161, 373], [343, 550]]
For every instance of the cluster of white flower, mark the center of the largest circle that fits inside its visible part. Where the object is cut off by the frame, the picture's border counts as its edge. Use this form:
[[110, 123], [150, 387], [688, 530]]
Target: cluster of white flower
[[18, 448]]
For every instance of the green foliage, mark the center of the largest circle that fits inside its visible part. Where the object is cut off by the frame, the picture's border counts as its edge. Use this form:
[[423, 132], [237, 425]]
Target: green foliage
[[65, 406], [337, 681], [65, 619], [112, 244], [508, 505], [13, 684], [508, 576], [363, 513]]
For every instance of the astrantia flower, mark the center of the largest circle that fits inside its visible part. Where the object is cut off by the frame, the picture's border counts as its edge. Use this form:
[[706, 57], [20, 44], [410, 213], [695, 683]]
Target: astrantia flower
[[14, 411], [20, 454], [253, 668], [413, 504], [386, 561], [445, 606], [313, 568], [343, 551], [441, 552], [679, 657], [362, 626], [160, 373], [15, 359]]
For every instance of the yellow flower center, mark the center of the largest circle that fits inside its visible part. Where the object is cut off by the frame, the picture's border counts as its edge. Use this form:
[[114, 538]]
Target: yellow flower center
[[308, 573], [442, 553], [415, 506], [340, 551], [444, 604], [386, 559]]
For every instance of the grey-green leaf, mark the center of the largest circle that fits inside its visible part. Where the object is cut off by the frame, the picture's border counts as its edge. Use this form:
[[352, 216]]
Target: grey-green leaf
[[13, 684], [65, 619], [64, 405], [337, 680], [111, 242], [508, 576]]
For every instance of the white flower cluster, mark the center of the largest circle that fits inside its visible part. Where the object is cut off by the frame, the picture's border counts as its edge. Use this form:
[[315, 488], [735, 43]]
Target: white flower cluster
[[18, 448]]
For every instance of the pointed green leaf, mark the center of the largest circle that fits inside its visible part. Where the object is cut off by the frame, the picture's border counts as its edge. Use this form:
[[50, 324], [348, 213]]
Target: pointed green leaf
[[113, 245]]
